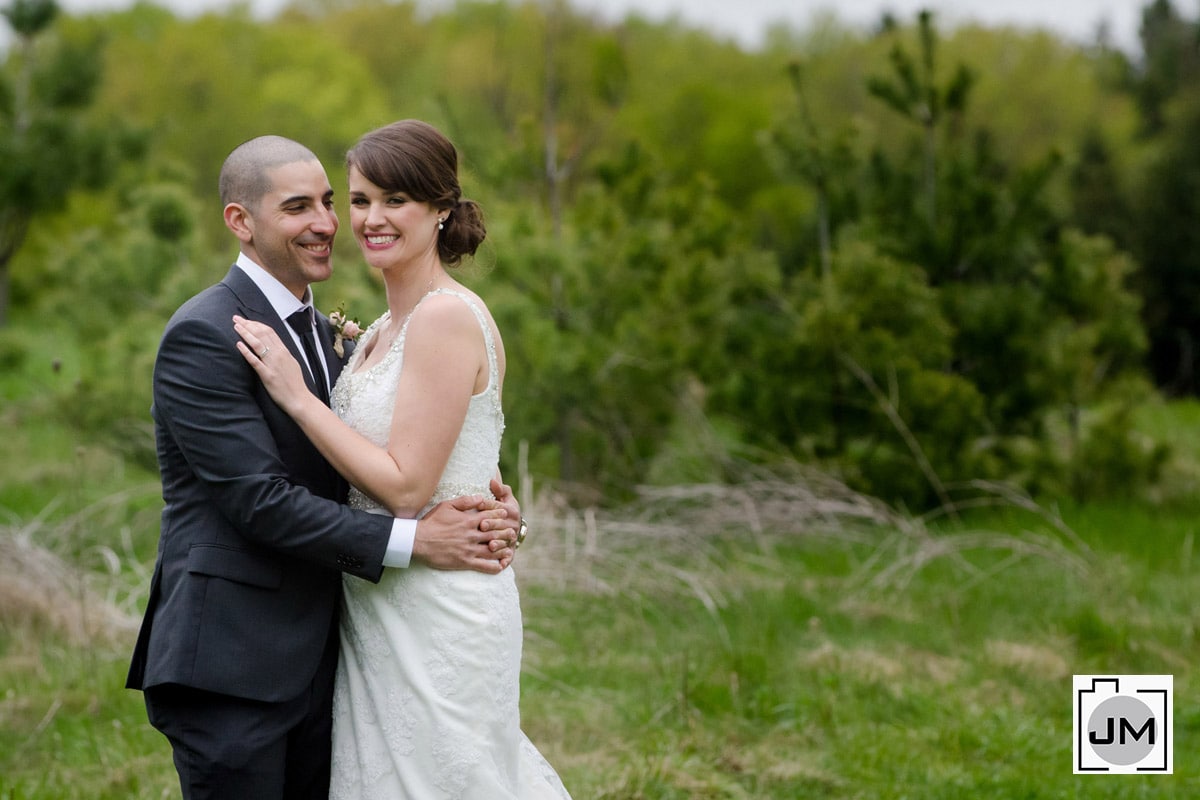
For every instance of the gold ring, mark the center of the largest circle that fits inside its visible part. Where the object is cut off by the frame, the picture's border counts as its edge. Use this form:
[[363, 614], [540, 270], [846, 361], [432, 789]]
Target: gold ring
[[522, 532]]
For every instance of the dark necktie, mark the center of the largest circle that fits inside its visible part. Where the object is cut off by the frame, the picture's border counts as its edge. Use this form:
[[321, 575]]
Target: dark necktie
[[302, 323]]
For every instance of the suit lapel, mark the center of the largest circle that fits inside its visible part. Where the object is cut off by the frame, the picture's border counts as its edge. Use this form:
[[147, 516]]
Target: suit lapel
[[254, 305], [325, 337]]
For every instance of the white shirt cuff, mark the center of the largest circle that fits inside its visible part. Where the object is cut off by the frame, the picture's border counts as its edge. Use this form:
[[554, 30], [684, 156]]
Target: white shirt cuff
[[400, 545]]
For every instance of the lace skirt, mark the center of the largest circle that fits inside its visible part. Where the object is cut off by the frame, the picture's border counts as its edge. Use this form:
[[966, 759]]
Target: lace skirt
[[426, 703]]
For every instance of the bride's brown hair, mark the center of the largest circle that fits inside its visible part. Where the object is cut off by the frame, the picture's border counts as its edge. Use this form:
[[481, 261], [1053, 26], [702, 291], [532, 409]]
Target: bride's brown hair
[[413, 157]]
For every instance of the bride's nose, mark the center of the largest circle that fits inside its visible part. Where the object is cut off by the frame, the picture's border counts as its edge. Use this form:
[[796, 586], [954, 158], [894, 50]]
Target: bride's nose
[[375, 216]]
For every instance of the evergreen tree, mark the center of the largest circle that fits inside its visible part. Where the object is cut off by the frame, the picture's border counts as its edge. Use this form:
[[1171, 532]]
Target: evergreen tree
[[46, 147], [1169, 249], [1171, 61], [961, 314]]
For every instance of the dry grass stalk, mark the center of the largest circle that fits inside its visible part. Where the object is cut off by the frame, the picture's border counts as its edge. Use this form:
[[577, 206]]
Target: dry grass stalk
[[671, 536], [88, 597], [39, 590]]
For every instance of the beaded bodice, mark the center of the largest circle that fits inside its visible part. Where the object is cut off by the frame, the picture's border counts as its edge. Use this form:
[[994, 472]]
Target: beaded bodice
[[365, 399]]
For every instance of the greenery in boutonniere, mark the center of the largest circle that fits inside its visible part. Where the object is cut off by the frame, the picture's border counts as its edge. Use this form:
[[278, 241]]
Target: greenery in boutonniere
[[343, 328]]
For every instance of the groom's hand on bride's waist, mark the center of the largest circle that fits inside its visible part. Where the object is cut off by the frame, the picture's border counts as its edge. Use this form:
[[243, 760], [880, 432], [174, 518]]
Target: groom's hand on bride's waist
[[467, 533]]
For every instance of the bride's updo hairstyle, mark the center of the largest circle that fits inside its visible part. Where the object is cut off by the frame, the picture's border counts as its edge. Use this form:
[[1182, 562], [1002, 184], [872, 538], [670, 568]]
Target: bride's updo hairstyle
[[413, 157]]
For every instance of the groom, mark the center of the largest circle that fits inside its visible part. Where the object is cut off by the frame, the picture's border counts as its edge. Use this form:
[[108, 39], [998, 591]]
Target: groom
[[238, 649]]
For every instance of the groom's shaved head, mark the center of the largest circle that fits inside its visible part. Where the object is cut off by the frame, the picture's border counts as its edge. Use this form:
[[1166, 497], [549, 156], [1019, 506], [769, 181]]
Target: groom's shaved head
[[244, 177]]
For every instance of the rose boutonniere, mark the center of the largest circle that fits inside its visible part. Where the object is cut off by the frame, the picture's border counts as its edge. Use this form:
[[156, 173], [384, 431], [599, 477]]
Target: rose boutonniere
[[343, 328]]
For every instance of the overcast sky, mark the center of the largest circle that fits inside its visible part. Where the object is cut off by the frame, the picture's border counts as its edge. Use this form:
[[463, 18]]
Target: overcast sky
[[745, 19]]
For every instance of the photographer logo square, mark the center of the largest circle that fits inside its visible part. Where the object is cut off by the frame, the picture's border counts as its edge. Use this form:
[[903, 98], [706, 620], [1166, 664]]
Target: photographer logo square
[[1122, 724]]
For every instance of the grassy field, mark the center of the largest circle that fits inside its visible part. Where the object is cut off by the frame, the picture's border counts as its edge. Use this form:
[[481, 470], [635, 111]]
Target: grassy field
[[782, 639], [866, 665]]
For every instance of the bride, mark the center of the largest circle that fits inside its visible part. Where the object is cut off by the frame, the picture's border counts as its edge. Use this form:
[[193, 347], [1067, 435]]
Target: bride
[[426, 703]]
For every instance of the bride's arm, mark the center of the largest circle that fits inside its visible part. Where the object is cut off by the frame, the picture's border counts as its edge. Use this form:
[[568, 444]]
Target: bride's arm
[[442, 355]]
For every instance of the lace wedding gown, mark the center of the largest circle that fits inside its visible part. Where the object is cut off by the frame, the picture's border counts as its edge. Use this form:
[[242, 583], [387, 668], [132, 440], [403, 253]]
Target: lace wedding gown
[[428, 685]]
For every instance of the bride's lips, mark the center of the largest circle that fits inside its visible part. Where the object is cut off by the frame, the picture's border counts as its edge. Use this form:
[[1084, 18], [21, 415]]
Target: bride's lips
[[379, 241]]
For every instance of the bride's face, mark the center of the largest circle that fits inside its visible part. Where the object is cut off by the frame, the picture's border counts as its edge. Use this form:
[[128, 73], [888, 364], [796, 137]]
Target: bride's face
[[391, 229]]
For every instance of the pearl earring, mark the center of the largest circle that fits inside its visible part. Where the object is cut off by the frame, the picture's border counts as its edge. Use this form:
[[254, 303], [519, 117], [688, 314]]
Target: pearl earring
[[441, 224]]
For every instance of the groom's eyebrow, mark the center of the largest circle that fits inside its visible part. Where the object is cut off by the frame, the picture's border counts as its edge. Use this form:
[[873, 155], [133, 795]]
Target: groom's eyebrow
[[304, 198]]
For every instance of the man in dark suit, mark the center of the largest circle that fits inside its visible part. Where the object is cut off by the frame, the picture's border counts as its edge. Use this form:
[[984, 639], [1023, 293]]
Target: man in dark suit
[[238, 649]]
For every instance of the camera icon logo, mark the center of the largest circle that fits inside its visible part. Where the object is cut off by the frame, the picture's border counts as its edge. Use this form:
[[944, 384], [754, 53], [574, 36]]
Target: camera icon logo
[[1122, 724]]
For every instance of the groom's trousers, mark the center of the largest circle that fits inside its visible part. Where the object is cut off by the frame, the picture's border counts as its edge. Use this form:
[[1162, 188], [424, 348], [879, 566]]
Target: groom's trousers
[[227, 748]]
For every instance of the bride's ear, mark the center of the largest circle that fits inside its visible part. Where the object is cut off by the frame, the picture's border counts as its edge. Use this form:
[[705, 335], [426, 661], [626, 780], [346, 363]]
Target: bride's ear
[[239, 221]]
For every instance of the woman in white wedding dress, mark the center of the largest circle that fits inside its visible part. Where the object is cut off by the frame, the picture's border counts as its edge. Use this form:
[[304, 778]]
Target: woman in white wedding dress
[[426, 704]]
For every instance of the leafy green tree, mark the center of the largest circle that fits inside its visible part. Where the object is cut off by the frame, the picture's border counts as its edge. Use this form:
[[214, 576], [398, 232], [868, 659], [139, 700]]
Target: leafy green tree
[[1171, 61], [1164, 208], [47, 148], [222, 79], [824, 161], [612, 327], [1168, 247], [135, 273], [1101, 203]]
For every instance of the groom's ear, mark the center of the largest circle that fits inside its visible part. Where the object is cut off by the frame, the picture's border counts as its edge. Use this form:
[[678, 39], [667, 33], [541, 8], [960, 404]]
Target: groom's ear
[[239, 221]]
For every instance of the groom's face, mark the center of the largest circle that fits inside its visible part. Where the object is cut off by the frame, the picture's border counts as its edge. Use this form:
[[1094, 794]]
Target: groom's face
[[294, 224]]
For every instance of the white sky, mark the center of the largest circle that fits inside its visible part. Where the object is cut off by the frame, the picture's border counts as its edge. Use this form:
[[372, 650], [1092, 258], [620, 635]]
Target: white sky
[[746, 19]]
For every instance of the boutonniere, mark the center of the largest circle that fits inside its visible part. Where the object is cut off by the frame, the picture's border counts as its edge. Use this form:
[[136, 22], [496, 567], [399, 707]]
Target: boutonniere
[[343, 328]]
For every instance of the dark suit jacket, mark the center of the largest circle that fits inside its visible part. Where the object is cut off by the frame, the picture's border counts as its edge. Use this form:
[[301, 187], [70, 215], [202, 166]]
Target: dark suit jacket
[[247, 585]]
